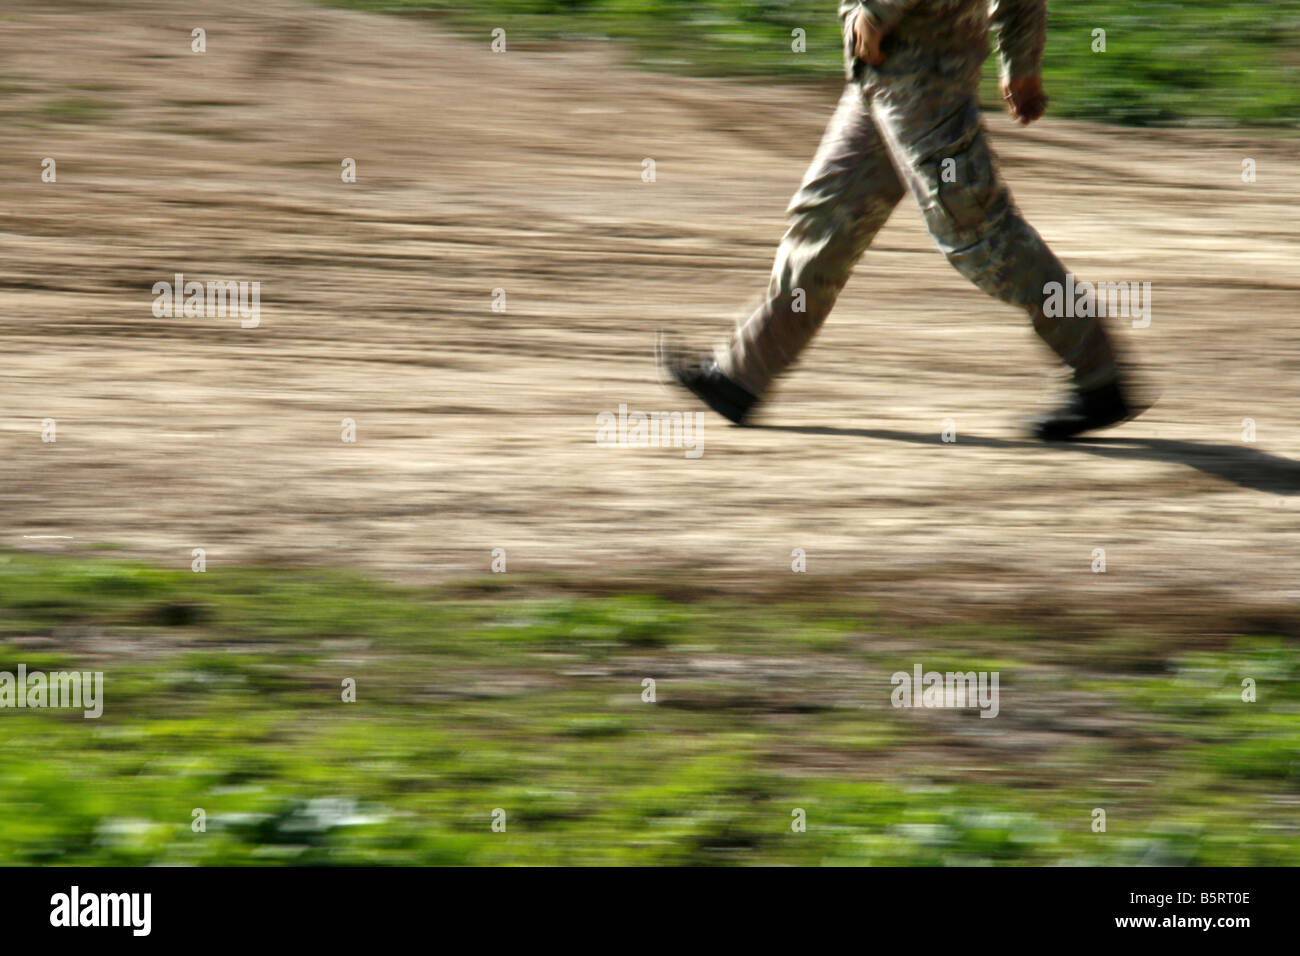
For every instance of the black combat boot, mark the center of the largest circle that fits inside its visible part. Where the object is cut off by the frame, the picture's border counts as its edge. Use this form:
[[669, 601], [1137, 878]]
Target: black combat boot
[[703, 377], [1085, 411]]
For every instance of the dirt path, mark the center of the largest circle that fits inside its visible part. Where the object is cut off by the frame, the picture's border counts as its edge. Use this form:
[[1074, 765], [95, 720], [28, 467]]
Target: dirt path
[[476, 428]]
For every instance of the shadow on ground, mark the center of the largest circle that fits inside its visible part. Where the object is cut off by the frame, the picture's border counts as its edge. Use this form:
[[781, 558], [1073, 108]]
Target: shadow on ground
[[1238, 464]]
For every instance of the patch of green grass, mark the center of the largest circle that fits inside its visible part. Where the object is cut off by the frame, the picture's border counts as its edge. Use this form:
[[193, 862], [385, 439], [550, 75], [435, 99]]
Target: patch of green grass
[[526, 697], [1195, 61]]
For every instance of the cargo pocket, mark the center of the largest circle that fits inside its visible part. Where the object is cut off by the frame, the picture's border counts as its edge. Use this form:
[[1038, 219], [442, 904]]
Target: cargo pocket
[[968, 187], [958, 180]]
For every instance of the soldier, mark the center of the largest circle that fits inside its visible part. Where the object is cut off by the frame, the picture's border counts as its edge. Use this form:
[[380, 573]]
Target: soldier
[[910, 108]]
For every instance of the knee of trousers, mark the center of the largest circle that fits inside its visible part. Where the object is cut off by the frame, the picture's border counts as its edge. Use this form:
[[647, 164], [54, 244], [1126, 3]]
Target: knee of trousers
[[1000, 263], [815, 257], [1008, 260]]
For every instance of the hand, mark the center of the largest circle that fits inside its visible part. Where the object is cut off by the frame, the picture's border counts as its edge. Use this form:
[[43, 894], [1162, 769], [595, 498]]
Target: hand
[[866, 40], [1025, 98]]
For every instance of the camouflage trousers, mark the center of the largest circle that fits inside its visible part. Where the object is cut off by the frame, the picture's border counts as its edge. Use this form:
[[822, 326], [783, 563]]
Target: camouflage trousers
[[915, 121]]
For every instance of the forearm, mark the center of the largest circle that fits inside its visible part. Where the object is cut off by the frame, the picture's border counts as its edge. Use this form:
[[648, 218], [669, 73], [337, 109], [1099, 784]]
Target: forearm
[[1022, 34]]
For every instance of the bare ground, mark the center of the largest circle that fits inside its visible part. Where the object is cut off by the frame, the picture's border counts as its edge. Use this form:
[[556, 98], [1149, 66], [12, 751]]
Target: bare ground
[[522, 171]]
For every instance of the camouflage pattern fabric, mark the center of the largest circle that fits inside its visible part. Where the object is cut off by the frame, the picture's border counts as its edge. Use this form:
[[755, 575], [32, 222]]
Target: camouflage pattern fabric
[[914, 123]]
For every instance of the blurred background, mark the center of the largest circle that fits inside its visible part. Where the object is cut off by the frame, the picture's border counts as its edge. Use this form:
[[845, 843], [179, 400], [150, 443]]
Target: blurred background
[[326, 643], [1192, 62]]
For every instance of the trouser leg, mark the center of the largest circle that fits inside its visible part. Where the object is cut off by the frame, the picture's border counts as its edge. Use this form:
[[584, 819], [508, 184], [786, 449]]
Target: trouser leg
[[934, 131], [847, 194]]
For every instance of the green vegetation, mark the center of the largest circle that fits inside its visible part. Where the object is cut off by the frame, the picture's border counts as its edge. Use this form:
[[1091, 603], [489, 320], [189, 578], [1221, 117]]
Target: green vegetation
[[223, 692], [1194, 61]]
